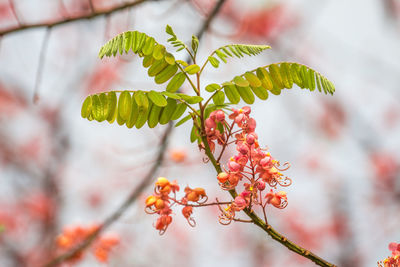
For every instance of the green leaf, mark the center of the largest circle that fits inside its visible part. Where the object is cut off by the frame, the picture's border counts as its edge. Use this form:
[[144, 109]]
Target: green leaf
[[231, 92], [171, 95], [240, 81], [159, 52], [169, 58], [97, 109], [192, 69], [174, 39], [219, 98], [260, 92], [287, 79], [127, 41], [212, 87], [154, 115], [157, 67], [125, 105], [294, 71], [148, 61], [180, 109], [181, 62], [134, 113], [148, 46], [112, 102], [157, 98], [304, 76], [214, 62], [86, 107], [142, 116], [236, 50], [276, 76], [311, 79], [182, 121], [176, 82], [191, 99], [140, 41], [168, 111], [194, 134], [252, 79], [265, 78], [246, 94], [166, 74], [195, 43], [104, 103], [141, 100]]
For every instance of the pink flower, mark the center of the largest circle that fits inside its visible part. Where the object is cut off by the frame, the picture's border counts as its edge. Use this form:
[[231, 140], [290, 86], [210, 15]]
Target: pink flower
[[233, 166], [219, 116]]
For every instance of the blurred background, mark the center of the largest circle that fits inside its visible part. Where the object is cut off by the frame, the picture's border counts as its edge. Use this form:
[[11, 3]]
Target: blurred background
[[58, 170]]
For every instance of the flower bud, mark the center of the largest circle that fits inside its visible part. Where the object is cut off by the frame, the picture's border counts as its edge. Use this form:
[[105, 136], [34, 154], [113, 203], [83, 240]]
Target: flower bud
[[243, 149], [192, 196], [251, 138], [222, 177], [187, 211], [162, 181], [260, 185], [220, 116], [233, 166], [159, 204], [150, 201], [200, 191], [210, 123], [240, 202]]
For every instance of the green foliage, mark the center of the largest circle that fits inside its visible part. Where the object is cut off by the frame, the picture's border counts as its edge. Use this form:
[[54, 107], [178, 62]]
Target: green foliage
[[235, 50], [135, 108], [174, 39], [160, 63], [274, 78]]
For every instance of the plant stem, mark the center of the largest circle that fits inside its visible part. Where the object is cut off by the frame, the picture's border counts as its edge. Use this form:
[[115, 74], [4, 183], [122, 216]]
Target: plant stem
[[263, 225]]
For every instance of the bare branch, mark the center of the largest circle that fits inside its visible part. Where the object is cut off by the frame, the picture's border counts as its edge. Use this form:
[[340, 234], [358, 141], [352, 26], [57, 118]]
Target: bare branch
[[64, 21]]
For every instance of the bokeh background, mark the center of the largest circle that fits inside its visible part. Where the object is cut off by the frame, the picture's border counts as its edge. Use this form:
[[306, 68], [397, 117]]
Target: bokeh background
[[58, 170]]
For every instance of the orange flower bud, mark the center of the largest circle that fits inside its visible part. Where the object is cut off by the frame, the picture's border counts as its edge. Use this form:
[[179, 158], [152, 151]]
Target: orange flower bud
[[162, 182], [166, 189], [187, 211], [222, 177], [193, 196], [159, 204], [150, 201], [275, 201], [200, 191]]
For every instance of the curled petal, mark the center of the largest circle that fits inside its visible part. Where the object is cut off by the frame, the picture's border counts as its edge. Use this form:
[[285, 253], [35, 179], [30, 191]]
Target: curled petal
[[202, 200], [191, 221]]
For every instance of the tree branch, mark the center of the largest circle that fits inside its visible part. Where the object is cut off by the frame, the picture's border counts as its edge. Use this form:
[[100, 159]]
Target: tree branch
[[64, 21]]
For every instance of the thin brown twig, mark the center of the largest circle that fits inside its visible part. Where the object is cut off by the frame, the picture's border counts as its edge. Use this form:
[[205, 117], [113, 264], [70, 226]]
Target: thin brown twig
[[125, 205], [64, 21], [39, 72]]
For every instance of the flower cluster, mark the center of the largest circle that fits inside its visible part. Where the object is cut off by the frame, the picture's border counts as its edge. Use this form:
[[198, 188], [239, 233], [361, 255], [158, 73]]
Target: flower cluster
[[251, 166], [394, 259], [161, 202], [73, 236]]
